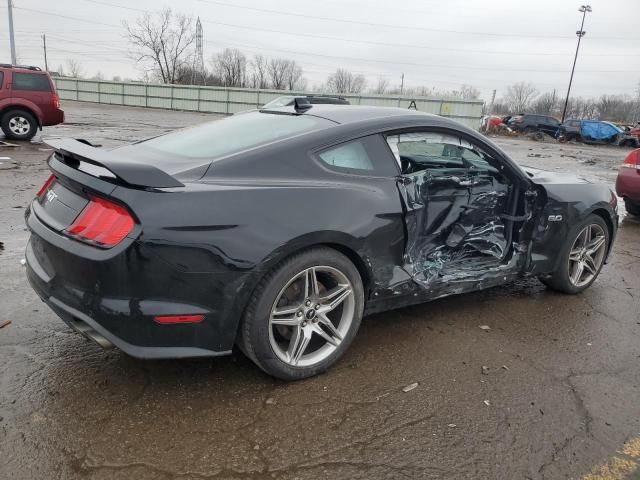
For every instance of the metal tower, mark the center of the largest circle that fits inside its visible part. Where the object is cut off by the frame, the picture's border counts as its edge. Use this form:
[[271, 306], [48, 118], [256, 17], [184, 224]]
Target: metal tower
[[197, 71]]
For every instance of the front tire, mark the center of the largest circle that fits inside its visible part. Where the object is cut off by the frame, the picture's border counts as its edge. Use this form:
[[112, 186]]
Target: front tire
[[581, 257], [303, 315], [18, 125]]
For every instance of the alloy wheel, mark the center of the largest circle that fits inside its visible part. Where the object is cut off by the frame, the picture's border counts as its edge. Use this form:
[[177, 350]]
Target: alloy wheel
[[19, 125], [586, 255], [311, 316]]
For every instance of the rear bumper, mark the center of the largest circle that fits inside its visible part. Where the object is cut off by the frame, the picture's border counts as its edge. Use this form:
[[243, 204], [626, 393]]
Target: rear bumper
[[113, 301], [54, 117], [628, 183]]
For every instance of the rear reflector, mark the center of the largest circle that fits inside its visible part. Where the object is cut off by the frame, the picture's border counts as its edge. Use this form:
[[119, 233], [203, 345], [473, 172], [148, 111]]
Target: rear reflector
[[632, 160], [101, 223], [45, 187], [172, 319]]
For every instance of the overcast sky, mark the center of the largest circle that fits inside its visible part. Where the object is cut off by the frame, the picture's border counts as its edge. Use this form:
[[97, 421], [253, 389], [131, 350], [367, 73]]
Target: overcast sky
[[486, 43]]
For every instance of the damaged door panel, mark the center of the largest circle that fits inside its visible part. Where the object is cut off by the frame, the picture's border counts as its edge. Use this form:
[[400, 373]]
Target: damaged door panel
[[459, 211]]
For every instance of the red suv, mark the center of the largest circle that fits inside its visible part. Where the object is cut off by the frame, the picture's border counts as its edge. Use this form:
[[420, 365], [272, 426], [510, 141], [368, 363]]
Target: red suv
[[28, 101]]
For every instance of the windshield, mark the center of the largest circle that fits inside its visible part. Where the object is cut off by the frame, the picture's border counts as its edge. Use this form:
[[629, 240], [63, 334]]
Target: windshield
[[279, 102], [233, 134]]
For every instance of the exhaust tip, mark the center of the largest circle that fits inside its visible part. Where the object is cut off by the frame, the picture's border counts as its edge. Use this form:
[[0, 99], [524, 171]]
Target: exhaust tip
[[86, 330]]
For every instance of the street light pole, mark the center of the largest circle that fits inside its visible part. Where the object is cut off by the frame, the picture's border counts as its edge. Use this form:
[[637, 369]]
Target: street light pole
[[12, 41], [44, 46], [580, 33]]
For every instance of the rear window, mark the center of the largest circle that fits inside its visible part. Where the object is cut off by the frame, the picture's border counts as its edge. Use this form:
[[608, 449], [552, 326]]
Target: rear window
[[279, 102], [31, 81], [234, 134]]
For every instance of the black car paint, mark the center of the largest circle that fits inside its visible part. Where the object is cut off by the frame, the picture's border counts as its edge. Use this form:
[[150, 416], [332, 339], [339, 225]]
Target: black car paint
[[204, 247], [534, 122]]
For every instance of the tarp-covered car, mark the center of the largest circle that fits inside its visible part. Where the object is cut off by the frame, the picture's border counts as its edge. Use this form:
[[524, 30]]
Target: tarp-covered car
[[593, 131]]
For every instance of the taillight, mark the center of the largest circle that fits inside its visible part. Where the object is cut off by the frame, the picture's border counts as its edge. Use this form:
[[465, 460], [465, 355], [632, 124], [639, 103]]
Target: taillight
[[101, 223], [55, 100], [632, 160], [45, 186]]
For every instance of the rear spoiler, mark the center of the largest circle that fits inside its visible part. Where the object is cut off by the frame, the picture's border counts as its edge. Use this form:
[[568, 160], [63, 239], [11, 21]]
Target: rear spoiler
[[74, 153]]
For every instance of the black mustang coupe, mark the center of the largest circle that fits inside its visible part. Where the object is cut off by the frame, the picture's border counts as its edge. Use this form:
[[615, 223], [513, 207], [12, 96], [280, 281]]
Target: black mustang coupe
[[277, 230]]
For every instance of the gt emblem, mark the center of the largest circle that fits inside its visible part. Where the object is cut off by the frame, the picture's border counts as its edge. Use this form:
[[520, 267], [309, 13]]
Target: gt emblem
[[51, 196], [555, 218]]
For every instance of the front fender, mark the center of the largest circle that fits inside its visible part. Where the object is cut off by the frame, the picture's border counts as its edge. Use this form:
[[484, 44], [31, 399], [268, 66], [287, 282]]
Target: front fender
[[567, 205]]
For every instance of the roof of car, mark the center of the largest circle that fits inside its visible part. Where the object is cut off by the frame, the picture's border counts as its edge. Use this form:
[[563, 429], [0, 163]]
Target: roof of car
[[353, 113], [22, 68]]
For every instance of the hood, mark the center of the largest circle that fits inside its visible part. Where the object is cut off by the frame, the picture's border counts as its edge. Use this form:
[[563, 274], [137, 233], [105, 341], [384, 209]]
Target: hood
[[545, 177]]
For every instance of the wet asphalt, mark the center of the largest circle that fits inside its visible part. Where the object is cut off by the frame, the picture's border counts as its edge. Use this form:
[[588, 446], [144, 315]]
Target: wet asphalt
[[551, 390]]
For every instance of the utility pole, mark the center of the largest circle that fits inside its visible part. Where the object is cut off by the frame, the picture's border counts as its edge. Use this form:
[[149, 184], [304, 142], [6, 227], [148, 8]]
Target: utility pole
[[12, 41], [580, 33], [401, 83], [493, 100], [44, 46]]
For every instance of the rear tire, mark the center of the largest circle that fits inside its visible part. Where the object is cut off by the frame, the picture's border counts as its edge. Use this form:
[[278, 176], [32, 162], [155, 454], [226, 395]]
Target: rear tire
[[632, 207], [18, 125], [577, 271], [289, 329]]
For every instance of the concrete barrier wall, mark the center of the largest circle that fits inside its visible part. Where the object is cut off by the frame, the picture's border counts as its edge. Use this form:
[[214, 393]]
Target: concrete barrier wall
[[233, 100]]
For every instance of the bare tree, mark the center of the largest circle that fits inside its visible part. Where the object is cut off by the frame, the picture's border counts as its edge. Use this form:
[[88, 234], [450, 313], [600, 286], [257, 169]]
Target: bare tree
[[381, 86], [278, 71], [499, 108], [582, 108], [343, 81], [74, 68], [231, 67], [163, 40], [294, 76], [519, 96], [616, 107], [340, 81], [546, 104], [98, 76], [258, 76], [469, 92]]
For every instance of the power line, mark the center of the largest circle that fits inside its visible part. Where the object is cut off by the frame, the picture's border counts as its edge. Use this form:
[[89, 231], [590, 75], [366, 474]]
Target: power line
[[368, 42], [305, 55], [43, 12], [387, 25], [387, 62], [383, 61]]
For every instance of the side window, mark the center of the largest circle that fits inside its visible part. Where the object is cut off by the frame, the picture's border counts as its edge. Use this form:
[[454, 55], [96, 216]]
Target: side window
[[1, 78], [31, 81], [432, 151], [349, 155], [365, 156]]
